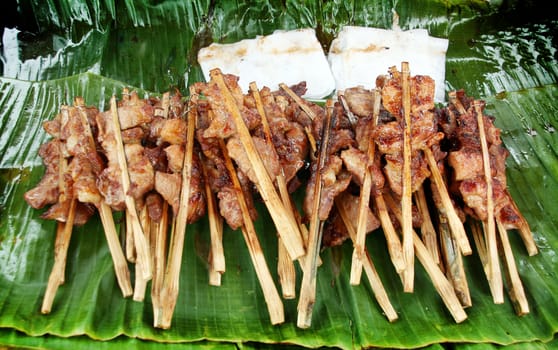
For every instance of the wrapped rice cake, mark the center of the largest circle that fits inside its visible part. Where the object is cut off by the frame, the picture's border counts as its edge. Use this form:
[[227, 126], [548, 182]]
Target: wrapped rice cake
[[288, 57], [359, 54]]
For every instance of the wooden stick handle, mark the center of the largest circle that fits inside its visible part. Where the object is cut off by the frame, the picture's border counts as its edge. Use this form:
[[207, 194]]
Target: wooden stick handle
[[118, 258], [407, 199]]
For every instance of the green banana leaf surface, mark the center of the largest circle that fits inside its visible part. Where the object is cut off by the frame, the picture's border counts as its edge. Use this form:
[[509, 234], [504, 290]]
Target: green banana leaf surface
[[504, 52]]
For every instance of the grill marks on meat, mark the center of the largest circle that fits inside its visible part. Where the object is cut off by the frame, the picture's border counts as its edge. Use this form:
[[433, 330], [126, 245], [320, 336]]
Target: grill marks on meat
[[133, 111], [335, 178], [168, 185], [85, 144], [335, 232], [287, 134], [81, 160], [72, 164], [171, 131], [424, 128], [140, 168], [466, 161], [218, 176], [284, 152], [47, 190], [222, 124], [265, 150]]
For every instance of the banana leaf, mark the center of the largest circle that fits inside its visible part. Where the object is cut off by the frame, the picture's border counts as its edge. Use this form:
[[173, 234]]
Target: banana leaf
[[501, 51]]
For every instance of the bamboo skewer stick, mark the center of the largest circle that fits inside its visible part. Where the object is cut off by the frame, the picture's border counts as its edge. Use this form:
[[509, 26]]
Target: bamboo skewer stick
[[525, 232], [373, 278], [364, 202], [165, 104], [350, 115], [427, 231], [282, 185], [159, 244], [283, 191], [216, 253], [131, 253], [286, 271], [285, 266], [454, 262], [309, 112], [271, 295], [454, 222], [130, 244], [214, 276], [141, 283], [308, 288], [515, 288], [406, 199], [159, 239], [439, 280], [287, 228], [119, 261], [392, 239], [171, 283], [303, 229], [63, 234], [118, 258], [393, 242], [358, 252], [480, 243], [62, 242], [495, 275], [141, 246]]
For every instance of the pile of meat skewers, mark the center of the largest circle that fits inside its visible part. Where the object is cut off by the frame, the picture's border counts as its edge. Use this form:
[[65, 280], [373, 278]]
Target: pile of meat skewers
[[384, 158]]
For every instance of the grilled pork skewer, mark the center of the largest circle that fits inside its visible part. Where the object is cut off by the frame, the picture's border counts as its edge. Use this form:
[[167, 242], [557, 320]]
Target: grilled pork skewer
[[515, 286], [171, 283], [159, 239], [142, 248], [271, 295], [494, 276], [364, 200], [422, 159], [308, 288], [119, 261], [63, 235], [284, 222], [285, 266], [216, 254]]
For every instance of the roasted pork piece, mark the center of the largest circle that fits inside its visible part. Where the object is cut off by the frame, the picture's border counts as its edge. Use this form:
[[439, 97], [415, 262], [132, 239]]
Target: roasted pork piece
[[466, 161], [283, 153], [424, 129]]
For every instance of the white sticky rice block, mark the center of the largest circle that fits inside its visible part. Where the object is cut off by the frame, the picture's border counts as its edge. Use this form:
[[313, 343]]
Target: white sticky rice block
[[359, 54], [282, 57]]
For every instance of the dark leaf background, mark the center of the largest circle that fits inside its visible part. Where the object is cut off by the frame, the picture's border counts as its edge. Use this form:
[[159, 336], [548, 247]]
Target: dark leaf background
[[501, 51]]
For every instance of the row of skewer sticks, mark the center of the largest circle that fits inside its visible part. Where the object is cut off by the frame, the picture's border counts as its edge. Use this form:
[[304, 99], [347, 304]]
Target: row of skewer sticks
[[153, 264]]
